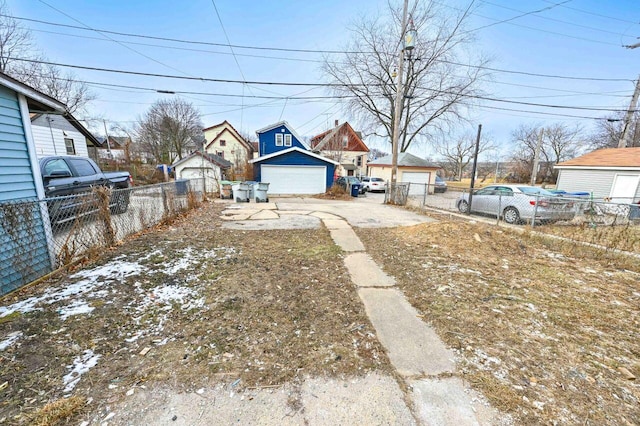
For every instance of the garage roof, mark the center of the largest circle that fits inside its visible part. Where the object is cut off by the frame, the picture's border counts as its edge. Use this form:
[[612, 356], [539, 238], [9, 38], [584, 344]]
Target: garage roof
[[292, 149], [607, 157], [212, 158], [404, 160]]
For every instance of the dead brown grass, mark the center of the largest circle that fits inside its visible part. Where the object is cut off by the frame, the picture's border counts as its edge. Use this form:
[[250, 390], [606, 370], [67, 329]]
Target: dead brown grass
[[540, 328], [336, 192], [278, 306], [57, 412]]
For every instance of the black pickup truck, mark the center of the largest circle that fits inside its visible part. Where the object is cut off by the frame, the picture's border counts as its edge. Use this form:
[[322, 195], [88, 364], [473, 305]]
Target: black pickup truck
[[68, 182]]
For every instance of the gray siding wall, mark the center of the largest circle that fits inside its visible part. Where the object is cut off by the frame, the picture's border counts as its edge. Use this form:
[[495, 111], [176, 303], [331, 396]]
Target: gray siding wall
[[16, 176], [598, 182]]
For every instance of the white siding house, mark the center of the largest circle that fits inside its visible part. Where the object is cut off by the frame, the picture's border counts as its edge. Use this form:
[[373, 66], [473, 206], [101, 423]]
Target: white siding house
[[55, 134]]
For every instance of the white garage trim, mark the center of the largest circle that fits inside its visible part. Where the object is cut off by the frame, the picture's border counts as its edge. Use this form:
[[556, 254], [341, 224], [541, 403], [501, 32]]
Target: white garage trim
[[419, 178], [294, 179]]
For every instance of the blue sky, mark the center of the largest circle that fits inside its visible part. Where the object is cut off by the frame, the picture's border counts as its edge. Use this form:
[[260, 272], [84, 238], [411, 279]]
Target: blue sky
[[581, 38]]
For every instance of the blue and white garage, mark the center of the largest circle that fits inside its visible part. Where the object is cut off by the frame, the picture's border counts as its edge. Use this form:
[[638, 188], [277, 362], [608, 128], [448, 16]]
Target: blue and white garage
[[294, 171]]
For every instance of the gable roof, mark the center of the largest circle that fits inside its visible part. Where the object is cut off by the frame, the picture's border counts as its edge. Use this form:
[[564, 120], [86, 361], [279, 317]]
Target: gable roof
[[404, 160], [73, 121], [320, 142], [212, 158], [280, 124], [292, 149], [37, 98], [233, 130], [607, 157]]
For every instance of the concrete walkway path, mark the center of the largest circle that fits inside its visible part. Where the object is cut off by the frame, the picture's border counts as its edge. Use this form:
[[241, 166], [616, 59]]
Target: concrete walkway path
[[437, 394]]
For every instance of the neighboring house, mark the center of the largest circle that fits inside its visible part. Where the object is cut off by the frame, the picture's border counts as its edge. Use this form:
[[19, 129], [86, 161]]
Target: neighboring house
[[113, 148], [198, 165], [411, 169], [344, 145], [287, 164], [607, 173], [60, 134], [25, 236], [225, 141]]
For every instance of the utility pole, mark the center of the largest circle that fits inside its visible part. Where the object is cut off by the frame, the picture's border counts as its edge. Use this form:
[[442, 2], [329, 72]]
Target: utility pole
[[397, 112], [536, 158], [626, 133]]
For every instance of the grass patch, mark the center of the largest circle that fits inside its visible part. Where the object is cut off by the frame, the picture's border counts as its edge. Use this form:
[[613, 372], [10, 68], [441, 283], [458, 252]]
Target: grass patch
[[54, 413]]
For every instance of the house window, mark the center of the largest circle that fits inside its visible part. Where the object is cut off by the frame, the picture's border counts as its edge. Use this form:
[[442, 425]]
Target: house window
[[220, 154], [223, 142], [71, 149], [278, 139], [287, 140], [359, 161]]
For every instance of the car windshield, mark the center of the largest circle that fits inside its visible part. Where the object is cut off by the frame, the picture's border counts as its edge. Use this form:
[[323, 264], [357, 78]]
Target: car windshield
[[534, 190], [377, 180], [439, 179], [352, 179]]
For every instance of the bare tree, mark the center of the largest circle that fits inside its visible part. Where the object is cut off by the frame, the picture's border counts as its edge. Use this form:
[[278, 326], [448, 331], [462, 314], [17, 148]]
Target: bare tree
[[20, 59], [169, 130], [608, 132], [559, 143], [375, 153], [457, 153], [438, 87]]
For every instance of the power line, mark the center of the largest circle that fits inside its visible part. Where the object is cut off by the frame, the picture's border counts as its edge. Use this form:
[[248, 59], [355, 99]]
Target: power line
[[87, 27], [523, 13], [596, 14]]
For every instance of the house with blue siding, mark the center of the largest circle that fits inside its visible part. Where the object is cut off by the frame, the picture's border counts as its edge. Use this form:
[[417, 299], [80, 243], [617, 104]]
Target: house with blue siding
[[25, 232], [287, 163]]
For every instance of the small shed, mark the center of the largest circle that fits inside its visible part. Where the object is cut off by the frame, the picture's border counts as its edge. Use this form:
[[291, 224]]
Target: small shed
[[294, 171], [197, 165], [411, 169], [606, 173]]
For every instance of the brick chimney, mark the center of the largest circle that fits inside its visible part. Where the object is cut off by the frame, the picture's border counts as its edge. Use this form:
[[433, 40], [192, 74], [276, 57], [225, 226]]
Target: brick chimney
[[336, 123]]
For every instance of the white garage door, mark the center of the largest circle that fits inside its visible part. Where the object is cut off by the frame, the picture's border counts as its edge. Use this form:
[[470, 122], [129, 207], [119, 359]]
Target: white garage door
[[294, 179], [419, 178]]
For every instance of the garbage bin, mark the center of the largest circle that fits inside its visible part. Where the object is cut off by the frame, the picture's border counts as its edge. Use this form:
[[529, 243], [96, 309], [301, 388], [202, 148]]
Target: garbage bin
[[260, 190], [241, 192], [251, 184], [355, 189], [182, 186], [226, 193]]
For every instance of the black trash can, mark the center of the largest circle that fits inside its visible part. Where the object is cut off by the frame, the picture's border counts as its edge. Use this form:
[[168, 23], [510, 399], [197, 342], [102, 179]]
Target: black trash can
[[355, 189]]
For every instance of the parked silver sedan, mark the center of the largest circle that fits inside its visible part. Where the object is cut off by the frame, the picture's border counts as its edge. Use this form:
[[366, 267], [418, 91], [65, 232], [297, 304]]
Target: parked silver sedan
[[516, 203]]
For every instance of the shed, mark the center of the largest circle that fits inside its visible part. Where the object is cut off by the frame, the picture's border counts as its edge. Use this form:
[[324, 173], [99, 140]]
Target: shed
[[57, 134], [295, 171], [25, 230], [411, 169], [606, 173], [197, 165]]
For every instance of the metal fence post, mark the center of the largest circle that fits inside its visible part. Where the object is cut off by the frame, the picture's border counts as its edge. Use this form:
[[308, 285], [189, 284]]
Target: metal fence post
[[424, 197], [535, 211]]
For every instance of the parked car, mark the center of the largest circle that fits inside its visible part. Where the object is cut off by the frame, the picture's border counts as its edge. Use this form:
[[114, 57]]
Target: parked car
[[374, 184], [517, 203], [346, 181], [68, 181], [441, 185]]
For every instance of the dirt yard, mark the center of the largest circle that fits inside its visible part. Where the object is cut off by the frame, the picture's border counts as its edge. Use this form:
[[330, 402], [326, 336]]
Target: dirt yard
[[189, 305], [548, 332]]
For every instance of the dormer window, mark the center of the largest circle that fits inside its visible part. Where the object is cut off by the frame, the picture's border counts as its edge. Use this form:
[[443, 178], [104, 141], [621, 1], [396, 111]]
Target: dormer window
[[279, 139], [287, 140], [223, 142]]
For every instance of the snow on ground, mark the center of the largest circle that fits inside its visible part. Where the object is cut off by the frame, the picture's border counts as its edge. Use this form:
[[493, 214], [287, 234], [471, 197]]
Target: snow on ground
[[81, 365], [10, 340]]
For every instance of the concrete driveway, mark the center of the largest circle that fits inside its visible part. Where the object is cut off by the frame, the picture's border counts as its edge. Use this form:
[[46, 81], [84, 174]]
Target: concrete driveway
[[305, 212]]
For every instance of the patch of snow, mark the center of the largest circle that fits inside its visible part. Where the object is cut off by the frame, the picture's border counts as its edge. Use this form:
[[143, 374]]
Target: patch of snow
[[81, 364], [167, 294], [77, 307], [10, 340]]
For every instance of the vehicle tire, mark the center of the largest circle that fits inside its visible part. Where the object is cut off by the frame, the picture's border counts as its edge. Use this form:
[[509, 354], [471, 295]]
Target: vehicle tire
[[511, 215], [121, 204], [463, 206]]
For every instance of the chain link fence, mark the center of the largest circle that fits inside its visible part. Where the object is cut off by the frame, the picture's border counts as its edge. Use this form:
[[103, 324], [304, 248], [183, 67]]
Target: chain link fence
[[613, 225], [40, 236]]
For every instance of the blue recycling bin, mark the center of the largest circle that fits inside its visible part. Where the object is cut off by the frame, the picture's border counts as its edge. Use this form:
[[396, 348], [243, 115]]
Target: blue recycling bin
[[355, 189]]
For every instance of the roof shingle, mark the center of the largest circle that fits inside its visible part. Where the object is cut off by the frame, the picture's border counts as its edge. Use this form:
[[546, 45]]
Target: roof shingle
[[607, 157]]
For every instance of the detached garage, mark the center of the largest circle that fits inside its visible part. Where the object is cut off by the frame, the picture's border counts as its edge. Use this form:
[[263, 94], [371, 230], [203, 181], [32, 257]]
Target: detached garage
[[411, 169], [612, 173], [294, 171], [198, 166]]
